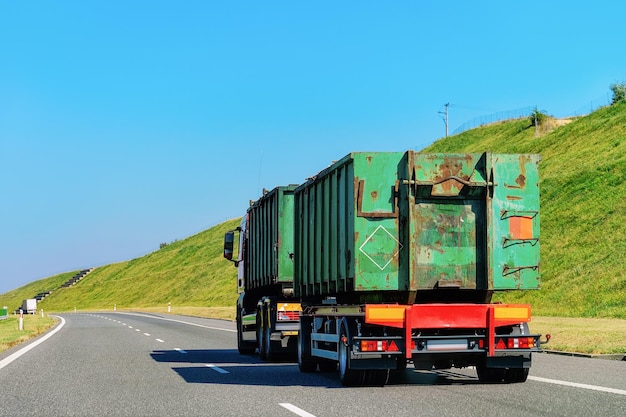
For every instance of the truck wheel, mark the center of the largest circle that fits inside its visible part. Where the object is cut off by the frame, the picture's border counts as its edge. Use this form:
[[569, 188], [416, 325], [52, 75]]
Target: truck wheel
[[347, 376], [267, 343], [516, 375], [259, 337], [488, 375], [327, 366], [305, 362], [244, 348], [376, 377]]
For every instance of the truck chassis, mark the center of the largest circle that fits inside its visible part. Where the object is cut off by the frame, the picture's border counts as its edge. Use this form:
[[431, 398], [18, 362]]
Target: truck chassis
[[365, 342]]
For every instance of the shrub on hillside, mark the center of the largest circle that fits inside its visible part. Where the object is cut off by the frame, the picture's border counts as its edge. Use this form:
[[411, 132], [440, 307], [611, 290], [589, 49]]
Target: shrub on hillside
[[538, 117], [619, 91]]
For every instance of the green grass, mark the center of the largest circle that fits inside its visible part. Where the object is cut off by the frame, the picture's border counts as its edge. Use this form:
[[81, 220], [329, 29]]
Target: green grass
[[582, 335], [583, 242], [189, 272], [33, 326]]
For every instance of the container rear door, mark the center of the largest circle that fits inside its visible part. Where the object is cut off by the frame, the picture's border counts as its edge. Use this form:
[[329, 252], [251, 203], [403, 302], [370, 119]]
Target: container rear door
[[448, 220]]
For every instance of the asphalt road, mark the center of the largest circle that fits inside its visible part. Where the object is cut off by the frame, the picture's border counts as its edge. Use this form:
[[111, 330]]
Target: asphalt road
[[120, 364]]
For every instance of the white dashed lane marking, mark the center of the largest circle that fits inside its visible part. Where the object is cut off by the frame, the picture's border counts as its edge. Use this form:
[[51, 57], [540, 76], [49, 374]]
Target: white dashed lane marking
[[296, 410], [577, 385], [217, 369]]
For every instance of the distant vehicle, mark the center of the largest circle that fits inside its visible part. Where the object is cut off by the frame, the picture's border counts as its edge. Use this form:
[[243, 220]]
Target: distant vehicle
[[29, 306]]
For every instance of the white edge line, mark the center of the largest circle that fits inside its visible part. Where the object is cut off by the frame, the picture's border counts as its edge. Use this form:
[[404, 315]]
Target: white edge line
[[180, 321], [296, 410], [4, 362], [577, 385], [217, 369]]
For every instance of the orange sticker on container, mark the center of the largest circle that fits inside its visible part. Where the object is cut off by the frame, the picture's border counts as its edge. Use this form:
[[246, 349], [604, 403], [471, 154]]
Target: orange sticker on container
[[521, 227]]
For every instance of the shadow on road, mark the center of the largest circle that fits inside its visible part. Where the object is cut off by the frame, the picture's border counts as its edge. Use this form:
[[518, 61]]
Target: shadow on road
[[227, 366]]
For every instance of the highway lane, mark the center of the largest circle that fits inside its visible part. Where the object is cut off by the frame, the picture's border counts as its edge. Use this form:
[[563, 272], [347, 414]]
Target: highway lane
[[121, 364]]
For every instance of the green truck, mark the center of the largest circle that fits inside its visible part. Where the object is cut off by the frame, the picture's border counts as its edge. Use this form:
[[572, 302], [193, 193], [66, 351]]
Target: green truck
[[396, 257], [267, 310]]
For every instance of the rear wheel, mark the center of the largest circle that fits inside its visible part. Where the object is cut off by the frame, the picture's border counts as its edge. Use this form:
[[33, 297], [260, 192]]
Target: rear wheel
[[305, 361], [267, 342], [516, 375], [244, 348], [347, 376], [488, 375], [376, 377], [327, 366], [260, 335]]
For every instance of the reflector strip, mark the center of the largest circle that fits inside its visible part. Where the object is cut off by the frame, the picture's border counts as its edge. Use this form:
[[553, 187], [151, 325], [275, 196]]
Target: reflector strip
[[386, 313], [289, 307], [512, 313]]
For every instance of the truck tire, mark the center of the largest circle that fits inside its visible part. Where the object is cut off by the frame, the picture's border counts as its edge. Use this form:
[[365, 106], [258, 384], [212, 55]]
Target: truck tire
[[270, 354], [327, 366], [244, 348], [305, 361], [259, 335], [488, 375], [376, 377], [348, 377], [516, 375]]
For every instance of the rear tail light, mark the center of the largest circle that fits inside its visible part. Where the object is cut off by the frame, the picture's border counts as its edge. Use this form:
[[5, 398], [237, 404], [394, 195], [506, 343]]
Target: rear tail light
[[521, 343], [515, 343], [373, 346], [379, 346], [288, 315]]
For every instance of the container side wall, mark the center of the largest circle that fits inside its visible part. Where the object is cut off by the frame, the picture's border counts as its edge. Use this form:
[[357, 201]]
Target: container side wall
[[270, 239], [376, 235], [515, 261], [324, 228]]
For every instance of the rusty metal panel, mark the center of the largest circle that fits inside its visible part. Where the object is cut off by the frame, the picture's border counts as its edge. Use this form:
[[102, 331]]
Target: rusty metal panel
[[270, 238], [448, 208], [515, 222]]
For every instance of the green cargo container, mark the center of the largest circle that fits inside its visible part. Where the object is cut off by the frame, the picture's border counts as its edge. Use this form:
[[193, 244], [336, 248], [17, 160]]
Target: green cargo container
[[270, 239], [414, 227]]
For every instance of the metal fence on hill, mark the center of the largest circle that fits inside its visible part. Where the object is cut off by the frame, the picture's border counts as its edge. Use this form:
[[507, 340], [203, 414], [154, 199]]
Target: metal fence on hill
[[523, 112], [493, 118]]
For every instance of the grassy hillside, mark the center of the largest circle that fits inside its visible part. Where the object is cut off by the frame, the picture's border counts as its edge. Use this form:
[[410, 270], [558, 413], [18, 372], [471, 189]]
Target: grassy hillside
[[189, 272], [583, 236], [583, 208]]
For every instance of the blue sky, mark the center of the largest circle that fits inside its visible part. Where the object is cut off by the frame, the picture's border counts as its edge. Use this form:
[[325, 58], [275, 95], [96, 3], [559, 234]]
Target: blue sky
[[124, 124]]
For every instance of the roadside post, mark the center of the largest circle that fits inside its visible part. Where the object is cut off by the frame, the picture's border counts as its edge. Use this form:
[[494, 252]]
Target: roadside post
[[21, 325], [169, 307]]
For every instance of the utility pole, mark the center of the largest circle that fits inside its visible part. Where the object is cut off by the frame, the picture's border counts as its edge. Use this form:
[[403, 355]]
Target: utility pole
[[445, 121]]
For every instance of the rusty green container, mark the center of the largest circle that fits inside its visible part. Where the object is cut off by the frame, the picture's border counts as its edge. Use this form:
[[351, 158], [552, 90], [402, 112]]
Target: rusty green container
[[415, 227], [269, 229]]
